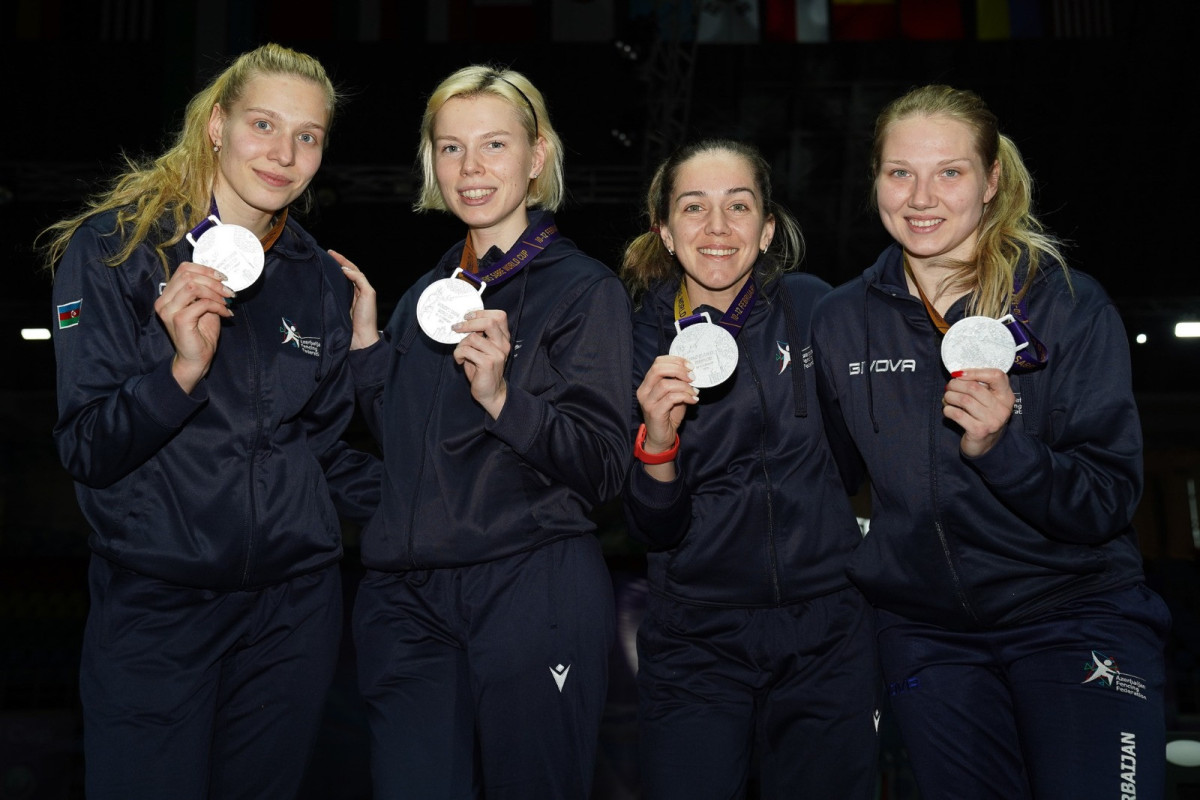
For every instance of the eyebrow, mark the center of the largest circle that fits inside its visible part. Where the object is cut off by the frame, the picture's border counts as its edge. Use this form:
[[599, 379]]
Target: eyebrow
[[488, 135], [702, 193], [266, 112]]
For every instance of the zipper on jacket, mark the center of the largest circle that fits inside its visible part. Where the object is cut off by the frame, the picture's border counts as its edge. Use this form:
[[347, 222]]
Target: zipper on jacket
[[937, 523], [772, 556], [416, 493], [256, 399]]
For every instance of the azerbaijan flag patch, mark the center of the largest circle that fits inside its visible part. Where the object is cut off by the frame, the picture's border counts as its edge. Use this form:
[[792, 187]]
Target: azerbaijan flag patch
[[68, 313]]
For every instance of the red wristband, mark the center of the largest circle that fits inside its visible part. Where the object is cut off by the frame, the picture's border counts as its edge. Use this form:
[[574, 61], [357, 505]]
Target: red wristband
[[653, 458]]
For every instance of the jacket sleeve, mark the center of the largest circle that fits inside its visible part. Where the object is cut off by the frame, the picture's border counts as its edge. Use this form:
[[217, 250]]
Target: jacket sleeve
[[115, 410], [657, 514], [1080, 480], [577, 432], [354, 477], [849, 462]]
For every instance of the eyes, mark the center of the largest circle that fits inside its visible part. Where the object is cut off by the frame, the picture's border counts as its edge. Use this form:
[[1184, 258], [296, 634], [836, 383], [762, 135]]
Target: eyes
[[949, 172], [452, 148], [304, 137], [738, 207]]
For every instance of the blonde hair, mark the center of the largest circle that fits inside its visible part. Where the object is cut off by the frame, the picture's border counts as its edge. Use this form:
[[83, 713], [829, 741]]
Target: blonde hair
[[547, 189], [179, 182], [647, 262], [1008, 229]]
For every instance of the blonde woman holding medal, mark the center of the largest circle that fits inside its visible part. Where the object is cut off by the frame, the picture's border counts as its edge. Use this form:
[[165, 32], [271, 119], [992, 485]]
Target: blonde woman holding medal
[[754, 643], [1021, 649], [201, 422], [498, 392]]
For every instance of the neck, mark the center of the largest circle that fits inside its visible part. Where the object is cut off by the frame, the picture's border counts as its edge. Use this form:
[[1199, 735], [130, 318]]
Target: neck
[[928, 277], [503, 236], [720, 299], [233, 211]]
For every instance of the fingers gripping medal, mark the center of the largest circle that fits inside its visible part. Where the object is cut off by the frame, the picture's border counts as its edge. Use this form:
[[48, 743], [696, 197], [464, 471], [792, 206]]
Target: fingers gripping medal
[[444, 303], [978, 343], [231, 250], [711, 350], [710, 347]]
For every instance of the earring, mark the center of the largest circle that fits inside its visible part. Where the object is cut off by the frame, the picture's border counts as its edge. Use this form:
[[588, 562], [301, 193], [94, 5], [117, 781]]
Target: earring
[[216, 148], [533, 177], [764, 251], [672, 252]]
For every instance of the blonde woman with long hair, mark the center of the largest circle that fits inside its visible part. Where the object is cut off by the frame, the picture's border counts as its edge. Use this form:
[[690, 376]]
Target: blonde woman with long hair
[[201, 407]]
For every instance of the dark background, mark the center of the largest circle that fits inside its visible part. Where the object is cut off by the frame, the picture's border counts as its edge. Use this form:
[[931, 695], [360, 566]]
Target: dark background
[[1099, 101]]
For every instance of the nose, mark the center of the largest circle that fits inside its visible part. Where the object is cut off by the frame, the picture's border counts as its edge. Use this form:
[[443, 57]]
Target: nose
[[716, 223], [470, 162], [284, 151], [922, 193]]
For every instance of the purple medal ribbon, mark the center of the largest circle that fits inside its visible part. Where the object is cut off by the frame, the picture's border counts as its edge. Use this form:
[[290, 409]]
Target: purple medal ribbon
[[536, 238], [1028, 358], [734, 318], [205, 223]]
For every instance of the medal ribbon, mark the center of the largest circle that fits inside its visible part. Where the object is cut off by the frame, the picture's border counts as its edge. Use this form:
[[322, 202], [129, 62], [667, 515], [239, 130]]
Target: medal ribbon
[[214, 218], [536, 238], [734, 318], [1034, 356], [1027, 358]]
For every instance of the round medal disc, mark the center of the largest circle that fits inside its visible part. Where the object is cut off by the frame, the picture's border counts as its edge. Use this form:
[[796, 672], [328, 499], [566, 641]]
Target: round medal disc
[[444, 303], [976, 343], [233, 250], [712, 351]]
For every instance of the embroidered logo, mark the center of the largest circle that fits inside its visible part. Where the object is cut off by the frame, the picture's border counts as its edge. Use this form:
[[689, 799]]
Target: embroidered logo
[[68, 314], [883, 365], [784, 356], [1104, 671], [560, 675], [308, 344]]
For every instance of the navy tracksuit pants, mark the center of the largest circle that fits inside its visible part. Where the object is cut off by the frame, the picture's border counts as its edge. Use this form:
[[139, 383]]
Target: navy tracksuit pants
[[797, 686], [487, 679], [190, 693], [1068, 706]]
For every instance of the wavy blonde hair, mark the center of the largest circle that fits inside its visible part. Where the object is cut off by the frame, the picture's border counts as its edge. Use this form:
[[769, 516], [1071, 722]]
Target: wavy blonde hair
[[1008, 230], [547, 189], [179, 182]]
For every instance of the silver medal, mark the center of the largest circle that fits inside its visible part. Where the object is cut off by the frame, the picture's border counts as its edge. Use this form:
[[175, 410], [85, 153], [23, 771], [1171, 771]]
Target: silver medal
[[444, 303], [231, 250], [979, 343], [711, 349]]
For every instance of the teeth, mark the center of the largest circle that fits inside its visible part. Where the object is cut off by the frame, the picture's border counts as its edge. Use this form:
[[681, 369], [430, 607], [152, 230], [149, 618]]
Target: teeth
[[475, 194], [923, 223], [712, 251]]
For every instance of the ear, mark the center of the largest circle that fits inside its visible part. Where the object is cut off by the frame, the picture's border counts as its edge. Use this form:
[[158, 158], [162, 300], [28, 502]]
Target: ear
[[768, 232], [539, 157], [665, 234], [993, 182], [216, 124]]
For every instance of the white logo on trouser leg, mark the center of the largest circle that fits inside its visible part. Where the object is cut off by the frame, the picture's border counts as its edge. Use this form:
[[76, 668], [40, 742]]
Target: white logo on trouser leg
[[560, 674]]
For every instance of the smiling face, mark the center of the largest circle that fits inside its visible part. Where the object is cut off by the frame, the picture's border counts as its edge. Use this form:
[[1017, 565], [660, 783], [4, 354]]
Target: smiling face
[[484, 162], [272, 140], [716, 225], [932, 187]]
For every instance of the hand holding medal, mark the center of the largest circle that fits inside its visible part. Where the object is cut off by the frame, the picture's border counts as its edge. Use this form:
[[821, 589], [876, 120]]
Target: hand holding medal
[[978, 352], [230, 249]]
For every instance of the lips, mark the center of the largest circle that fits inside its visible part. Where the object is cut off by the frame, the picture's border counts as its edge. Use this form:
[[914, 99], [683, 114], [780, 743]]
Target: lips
[[475, 194], [271, 179], [925, 225]]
